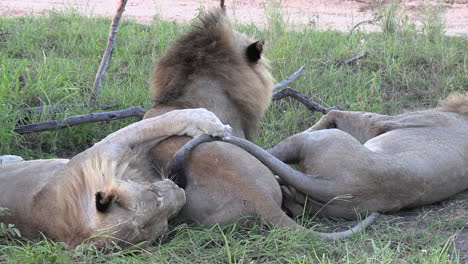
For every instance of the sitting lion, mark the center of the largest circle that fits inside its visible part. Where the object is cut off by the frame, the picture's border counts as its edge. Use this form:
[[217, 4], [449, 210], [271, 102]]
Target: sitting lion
[[214, 67], [106, 193], [379, 163]]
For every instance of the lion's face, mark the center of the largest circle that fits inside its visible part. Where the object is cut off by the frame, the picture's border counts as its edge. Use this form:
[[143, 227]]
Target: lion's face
[[136, 212]]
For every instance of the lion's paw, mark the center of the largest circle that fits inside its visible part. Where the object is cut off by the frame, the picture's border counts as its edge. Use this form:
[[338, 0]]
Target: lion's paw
[[225, 132], [206, 122]]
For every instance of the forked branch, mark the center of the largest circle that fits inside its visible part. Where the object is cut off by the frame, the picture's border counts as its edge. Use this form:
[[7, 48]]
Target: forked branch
[[299, 71], [311, 105], [290, 78]]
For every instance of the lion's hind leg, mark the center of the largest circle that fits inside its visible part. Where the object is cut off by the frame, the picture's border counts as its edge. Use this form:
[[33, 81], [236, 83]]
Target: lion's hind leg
[[361, 125], [337, 165], [288, 150]]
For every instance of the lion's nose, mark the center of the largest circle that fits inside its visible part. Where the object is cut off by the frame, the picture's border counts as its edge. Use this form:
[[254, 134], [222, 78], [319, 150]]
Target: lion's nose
[[162, 187], [169, 184]]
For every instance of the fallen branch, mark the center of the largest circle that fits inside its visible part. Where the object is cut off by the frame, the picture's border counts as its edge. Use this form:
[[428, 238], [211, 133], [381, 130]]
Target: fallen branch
[[107, 53], [290, 78], [58, 108], [81, 119], [311, 105], [351, 60]]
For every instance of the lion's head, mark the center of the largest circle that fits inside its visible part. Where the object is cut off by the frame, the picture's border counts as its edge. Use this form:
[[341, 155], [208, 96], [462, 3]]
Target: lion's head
[[134, 212], [109, 194], [212, 58]]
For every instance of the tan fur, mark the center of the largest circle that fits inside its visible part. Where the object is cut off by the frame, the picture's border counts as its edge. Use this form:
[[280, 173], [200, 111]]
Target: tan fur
[[209, 67], [96, 173], [383, 163], [58, 197], [456, 103]]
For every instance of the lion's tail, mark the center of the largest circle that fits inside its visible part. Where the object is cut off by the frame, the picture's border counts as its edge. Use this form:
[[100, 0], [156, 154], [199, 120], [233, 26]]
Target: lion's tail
[[456, 103]]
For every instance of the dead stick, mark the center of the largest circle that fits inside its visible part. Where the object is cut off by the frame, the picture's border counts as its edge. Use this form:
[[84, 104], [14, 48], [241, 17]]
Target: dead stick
[[58, 108], [311, 105], [290, 78], [107, 53], [351, 60], [81, 119]]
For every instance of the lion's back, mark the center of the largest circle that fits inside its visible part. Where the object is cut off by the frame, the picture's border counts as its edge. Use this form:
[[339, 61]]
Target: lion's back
[[221, 170]]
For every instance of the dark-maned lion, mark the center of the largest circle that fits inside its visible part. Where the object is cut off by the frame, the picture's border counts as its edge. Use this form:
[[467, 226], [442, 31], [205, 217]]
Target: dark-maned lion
[[215, 67], [106, 193]]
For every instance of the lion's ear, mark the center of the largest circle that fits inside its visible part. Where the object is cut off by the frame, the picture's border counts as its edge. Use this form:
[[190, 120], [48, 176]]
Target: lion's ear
[[254, 50], [103, 201]]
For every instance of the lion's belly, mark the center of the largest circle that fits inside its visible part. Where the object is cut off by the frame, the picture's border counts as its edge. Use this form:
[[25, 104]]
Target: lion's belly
[[19, 183], [27, 177], [223, 181], [432, 162]]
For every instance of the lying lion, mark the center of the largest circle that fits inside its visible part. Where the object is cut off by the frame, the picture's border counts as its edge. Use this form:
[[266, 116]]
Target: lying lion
[[386, 163], [105, 193], [214, 67], [382, 163]]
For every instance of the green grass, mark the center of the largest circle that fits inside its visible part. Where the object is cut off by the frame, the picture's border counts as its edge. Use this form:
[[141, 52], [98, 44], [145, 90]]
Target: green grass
[[406, 69]]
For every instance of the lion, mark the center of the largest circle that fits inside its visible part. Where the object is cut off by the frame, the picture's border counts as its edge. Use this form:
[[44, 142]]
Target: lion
[[106, 193], [385, 163], [381, 163], [215, 67]]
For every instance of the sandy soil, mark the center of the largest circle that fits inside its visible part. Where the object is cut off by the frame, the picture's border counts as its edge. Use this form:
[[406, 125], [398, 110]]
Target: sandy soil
[[336, 14]]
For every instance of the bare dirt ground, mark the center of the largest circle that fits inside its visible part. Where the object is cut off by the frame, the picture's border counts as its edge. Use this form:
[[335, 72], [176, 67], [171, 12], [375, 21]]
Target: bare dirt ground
[[337, 14]]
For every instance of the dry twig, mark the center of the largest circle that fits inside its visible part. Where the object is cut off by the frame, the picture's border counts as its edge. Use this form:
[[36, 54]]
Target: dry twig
[[58, 108], [107, 53], [290, 78], [352, 60], [81, 119], [311, 105]]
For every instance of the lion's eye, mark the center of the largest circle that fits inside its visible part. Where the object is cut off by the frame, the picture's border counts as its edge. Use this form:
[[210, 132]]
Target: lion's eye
[[103, 201]]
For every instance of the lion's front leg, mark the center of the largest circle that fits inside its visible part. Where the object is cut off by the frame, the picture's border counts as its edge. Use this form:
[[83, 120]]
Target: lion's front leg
[[201, 121], [361, 125], [189, 122]]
